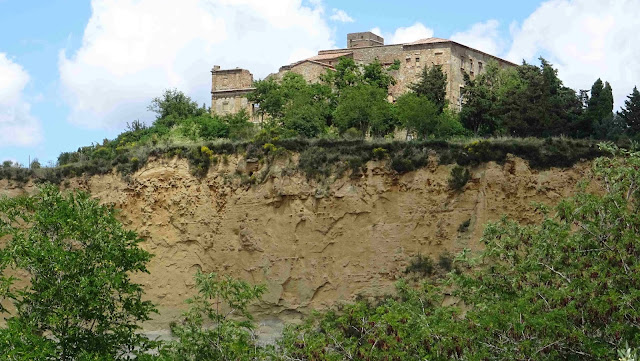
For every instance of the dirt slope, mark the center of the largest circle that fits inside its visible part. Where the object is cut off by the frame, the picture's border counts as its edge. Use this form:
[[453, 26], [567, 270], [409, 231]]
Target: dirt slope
[[313, 244]]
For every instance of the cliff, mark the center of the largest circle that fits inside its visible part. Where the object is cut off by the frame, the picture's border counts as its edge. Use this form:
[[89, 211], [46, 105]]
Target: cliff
[[314, 244]]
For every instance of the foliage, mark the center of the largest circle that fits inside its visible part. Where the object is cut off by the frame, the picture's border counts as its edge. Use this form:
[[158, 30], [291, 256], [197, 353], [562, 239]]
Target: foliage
[[174, 106], [365, 108], [523, 101], [422, 117], [222, 303], [564, 288], [79, 260], [458, 178], [599, 110], [420, 264], [631, 111], [432, 85]]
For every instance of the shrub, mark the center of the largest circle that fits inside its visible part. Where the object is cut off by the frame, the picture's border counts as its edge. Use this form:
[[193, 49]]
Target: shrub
[[314, 163], [421, 265], [464, 226], [380, 153], [459, 177], [445, 261]]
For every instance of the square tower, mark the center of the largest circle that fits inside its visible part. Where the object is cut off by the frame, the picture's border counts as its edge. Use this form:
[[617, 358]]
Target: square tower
[[366, 39]]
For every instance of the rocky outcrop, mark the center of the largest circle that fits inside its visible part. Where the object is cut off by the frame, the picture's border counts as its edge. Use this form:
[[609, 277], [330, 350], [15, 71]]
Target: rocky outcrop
[[314, 244]]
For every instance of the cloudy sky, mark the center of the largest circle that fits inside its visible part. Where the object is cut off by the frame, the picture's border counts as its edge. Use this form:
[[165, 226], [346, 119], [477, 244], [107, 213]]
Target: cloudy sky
[[75, 72]]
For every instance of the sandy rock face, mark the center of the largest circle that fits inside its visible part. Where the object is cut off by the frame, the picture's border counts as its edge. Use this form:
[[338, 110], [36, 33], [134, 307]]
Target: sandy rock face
[[313, 244]]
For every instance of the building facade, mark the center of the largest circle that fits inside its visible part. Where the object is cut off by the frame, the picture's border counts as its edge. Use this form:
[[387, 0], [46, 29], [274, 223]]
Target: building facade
[[229, 89], [455, 60]]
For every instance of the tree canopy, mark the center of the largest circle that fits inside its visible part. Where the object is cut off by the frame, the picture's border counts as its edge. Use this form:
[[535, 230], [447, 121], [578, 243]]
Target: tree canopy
[[79, 299]]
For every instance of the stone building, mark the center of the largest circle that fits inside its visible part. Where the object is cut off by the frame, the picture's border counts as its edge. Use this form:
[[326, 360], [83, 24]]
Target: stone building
[[229, 89], [454, 58]]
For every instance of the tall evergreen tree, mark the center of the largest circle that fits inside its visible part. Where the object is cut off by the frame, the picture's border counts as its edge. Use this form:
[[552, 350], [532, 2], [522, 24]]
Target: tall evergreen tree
[[432, 85], [599, 110], [631, 111]]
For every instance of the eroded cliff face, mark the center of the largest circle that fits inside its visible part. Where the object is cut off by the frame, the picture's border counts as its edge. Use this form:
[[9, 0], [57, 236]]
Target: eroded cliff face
[[314, 244]]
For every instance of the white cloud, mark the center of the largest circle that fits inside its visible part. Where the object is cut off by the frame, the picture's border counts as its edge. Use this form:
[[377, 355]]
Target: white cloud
[[585, 39], [341, 16], [403, 35], [17, 126], [409, 34], [133, 50], [482, 36]]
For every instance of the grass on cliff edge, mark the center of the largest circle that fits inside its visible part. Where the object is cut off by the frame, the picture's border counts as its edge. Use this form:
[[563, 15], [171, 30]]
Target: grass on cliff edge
[[320, 157]]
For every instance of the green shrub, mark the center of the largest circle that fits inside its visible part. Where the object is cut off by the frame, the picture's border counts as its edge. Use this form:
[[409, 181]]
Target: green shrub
[[314, 163], [380, 153], [421, 265], [464, 226], [459, 177], [445, 261]]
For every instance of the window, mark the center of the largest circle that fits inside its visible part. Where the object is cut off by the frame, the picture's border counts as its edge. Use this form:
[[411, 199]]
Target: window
[[417, 60], [471, 65], [461, 63], [225, 106], [408, 60], [479, 66]]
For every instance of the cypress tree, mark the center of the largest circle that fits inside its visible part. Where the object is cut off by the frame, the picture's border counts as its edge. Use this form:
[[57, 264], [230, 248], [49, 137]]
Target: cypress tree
[[631, 111]]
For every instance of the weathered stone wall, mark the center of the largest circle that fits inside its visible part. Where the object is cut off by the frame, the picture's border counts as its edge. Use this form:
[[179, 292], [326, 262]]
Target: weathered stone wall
[[311, 71], [229, 89], [231, 103]]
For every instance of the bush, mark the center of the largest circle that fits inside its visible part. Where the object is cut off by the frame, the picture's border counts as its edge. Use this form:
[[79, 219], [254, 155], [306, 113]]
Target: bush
[[380, 153], [421, 265], [459, 177], [314, 162]]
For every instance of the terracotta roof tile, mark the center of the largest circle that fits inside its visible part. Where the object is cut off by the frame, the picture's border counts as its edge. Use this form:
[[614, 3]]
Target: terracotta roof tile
[[329, 56], [428, 41]]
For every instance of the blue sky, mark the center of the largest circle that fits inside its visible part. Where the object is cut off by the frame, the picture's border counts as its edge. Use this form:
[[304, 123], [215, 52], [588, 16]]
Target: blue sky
[[74, 72]]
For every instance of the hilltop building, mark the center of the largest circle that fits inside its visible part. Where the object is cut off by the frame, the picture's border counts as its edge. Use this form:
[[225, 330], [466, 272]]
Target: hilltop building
[[229, 87]]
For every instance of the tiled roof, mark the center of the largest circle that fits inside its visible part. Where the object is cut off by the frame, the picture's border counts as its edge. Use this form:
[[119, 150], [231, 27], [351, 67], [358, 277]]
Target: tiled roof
[[329, 56], [428, 41]]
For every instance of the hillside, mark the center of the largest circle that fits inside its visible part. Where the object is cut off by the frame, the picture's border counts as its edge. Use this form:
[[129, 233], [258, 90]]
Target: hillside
[[313, 242]]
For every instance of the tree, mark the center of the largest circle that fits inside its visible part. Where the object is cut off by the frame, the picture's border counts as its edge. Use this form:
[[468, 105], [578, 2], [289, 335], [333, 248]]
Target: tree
[[376, 75], [599, 109], [174, 106], [478, 107], [80, 298], [432, 85], [631, 111], [417, 114], [365, 108], [222, 302]]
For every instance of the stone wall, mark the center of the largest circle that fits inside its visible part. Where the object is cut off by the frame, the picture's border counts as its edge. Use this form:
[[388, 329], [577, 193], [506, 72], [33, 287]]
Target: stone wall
[[229, 89]]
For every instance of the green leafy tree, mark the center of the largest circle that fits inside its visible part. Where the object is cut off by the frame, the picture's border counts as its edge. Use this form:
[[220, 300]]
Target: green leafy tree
[[365, 108], [376, 75], [432, 85], [222, 303], [174, 106], [79, 298], [295, 105], [631, 111], [268, 95]]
